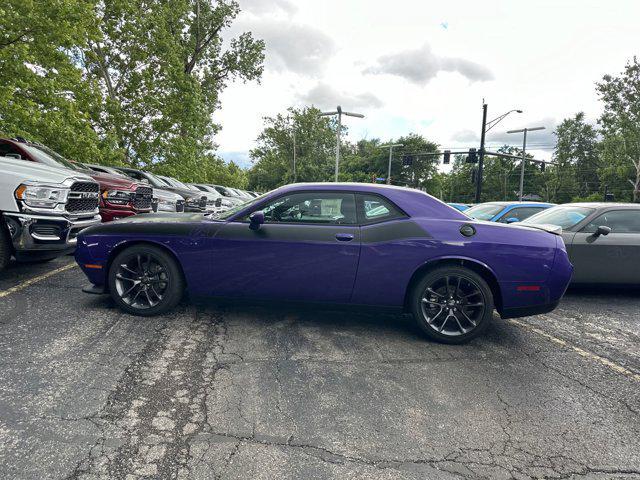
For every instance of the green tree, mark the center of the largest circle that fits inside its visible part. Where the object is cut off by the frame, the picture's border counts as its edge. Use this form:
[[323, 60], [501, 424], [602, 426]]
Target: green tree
[[620, 123], [273, 155], [43, 95], [161, 66], [576, 155]]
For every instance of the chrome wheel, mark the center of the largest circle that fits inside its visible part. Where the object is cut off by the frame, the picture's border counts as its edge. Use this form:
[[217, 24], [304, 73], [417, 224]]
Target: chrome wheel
[[453, 305], [141, 281]]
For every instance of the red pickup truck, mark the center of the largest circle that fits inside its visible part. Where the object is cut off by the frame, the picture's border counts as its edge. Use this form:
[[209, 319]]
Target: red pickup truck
[[119, 197]]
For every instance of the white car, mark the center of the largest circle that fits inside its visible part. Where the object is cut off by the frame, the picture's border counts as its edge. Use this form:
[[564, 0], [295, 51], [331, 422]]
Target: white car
[[42, 209]]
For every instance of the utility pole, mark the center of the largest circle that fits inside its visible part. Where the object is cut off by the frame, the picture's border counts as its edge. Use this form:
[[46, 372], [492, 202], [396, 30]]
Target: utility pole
[[524, 148], [338, 111], [481, 157], [295, 176], [486, 126], [390, 158]]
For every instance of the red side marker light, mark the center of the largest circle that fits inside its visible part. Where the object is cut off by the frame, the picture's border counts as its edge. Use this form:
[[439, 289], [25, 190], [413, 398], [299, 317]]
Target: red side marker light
[[528, 288], [91, 265]]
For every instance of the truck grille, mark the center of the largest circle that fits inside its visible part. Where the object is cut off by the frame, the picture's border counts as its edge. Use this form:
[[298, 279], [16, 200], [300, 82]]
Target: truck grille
[[83, 197], [180, 206], [203, 202], [142, 198]]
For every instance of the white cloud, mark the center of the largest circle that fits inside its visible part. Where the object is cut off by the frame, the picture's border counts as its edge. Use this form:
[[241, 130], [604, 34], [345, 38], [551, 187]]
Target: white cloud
[[421, 65], [325, 96], [290, 46], [261, 7]]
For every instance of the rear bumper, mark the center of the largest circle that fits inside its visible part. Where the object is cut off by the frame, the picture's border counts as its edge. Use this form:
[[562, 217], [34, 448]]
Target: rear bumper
[[528, 311], [42, 236]]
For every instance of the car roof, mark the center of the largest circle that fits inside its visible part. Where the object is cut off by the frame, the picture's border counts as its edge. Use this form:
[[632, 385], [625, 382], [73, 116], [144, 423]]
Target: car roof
[[601, 204]]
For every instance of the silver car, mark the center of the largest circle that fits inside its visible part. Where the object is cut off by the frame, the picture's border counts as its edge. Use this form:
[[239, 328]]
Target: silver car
[[602, 239]]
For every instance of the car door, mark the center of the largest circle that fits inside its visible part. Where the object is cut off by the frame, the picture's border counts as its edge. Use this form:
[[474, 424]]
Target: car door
[[307, 250], [612, 258]]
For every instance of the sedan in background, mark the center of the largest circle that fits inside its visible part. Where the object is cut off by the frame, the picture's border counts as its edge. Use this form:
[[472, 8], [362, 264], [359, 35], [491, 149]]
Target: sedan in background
[[506, 212], [344, 243], [602, 239]]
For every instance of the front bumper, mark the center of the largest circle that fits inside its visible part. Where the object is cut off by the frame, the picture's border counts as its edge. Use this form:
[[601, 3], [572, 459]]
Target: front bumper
[[45, 236]]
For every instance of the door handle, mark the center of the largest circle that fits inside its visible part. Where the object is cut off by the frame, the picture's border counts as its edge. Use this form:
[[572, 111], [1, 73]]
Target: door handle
[[344, 237]]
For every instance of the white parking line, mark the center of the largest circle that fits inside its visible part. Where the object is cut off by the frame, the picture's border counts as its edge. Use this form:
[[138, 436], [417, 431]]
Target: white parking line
[[583, 353], [33, 280]]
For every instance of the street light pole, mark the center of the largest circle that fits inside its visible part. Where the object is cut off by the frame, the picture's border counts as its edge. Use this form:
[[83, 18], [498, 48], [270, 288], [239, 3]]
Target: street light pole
[[486, 126], [339, 113], [524, 148], [390, 158]]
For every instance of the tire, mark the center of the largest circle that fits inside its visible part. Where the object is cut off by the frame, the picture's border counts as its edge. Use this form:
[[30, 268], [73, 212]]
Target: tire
[[452, 304], [145, 280], [6, 247]]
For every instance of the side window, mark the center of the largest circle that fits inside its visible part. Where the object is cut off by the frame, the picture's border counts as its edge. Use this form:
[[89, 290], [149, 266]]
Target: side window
[[620, 221], [330, 208], [520, 213], [6, 148], [374, 208]]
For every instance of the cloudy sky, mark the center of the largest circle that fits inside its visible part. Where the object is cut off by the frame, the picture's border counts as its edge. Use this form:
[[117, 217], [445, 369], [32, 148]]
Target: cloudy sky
[[424, 66]]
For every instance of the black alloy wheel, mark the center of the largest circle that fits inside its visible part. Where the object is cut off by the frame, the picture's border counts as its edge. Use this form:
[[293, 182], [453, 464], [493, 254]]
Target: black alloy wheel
[[145, 280], [452, 304]]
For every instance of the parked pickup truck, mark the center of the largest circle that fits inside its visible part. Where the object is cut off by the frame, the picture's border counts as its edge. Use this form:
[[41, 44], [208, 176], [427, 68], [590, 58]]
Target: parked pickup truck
[[119, 196], [42, 210]]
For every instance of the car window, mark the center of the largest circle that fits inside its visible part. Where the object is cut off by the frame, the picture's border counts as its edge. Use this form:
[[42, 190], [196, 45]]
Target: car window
[[520, 213], [312, 207], [484, 211], [619, 221], [374, 208], [8, 148], [563, 216]]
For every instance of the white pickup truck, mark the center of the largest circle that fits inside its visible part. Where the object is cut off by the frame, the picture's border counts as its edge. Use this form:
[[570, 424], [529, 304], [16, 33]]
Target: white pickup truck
[[42, 210]]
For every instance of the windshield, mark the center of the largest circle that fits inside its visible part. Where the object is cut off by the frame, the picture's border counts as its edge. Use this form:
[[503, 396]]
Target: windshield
[[562, 216], [49, 157], [175, 183], [233, 210], [485, 211]]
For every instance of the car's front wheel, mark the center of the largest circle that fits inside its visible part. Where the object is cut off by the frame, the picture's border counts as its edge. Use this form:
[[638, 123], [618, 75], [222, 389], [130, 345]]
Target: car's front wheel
[[145, 280], [452, 304]]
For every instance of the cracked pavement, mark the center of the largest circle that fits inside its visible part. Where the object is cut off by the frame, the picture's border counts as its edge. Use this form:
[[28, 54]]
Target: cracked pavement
[[232, 391]]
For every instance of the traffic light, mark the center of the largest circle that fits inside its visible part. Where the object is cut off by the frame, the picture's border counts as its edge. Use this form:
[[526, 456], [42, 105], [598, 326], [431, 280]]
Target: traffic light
[[542, 166], [407, 160], [446, 157], [473, 156], [474, 175]]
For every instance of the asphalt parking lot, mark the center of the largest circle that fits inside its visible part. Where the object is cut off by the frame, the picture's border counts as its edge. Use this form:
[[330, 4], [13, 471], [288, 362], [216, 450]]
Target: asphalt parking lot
[[232, 391]]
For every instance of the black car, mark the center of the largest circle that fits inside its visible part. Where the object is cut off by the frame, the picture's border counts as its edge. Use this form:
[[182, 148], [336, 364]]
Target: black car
[[194, 202], [602, 239]]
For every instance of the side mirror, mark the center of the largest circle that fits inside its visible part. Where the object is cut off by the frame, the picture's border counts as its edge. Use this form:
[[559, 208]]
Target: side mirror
[[512, 220], [602, 230], [219, 202], [256, 219]]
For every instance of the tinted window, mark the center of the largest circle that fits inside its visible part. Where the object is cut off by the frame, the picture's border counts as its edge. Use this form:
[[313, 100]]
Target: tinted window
[[520, 213], [374, 208], [8, 148], [620, 221], [312, 207]]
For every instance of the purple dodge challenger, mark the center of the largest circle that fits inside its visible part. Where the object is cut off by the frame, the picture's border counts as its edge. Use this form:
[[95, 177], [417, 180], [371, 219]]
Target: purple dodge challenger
[[357, 244]]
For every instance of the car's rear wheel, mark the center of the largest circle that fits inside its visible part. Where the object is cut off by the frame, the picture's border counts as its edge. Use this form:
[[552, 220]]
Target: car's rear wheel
[[452, 304], [145, 280]]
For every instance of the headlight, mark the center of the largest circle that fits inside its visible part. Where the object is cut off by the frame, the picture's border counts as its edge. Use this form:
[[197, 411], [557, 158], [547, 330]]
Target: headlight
[[117, 197], [193, 201], [226, 203], [166, 205], [42, 196]]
